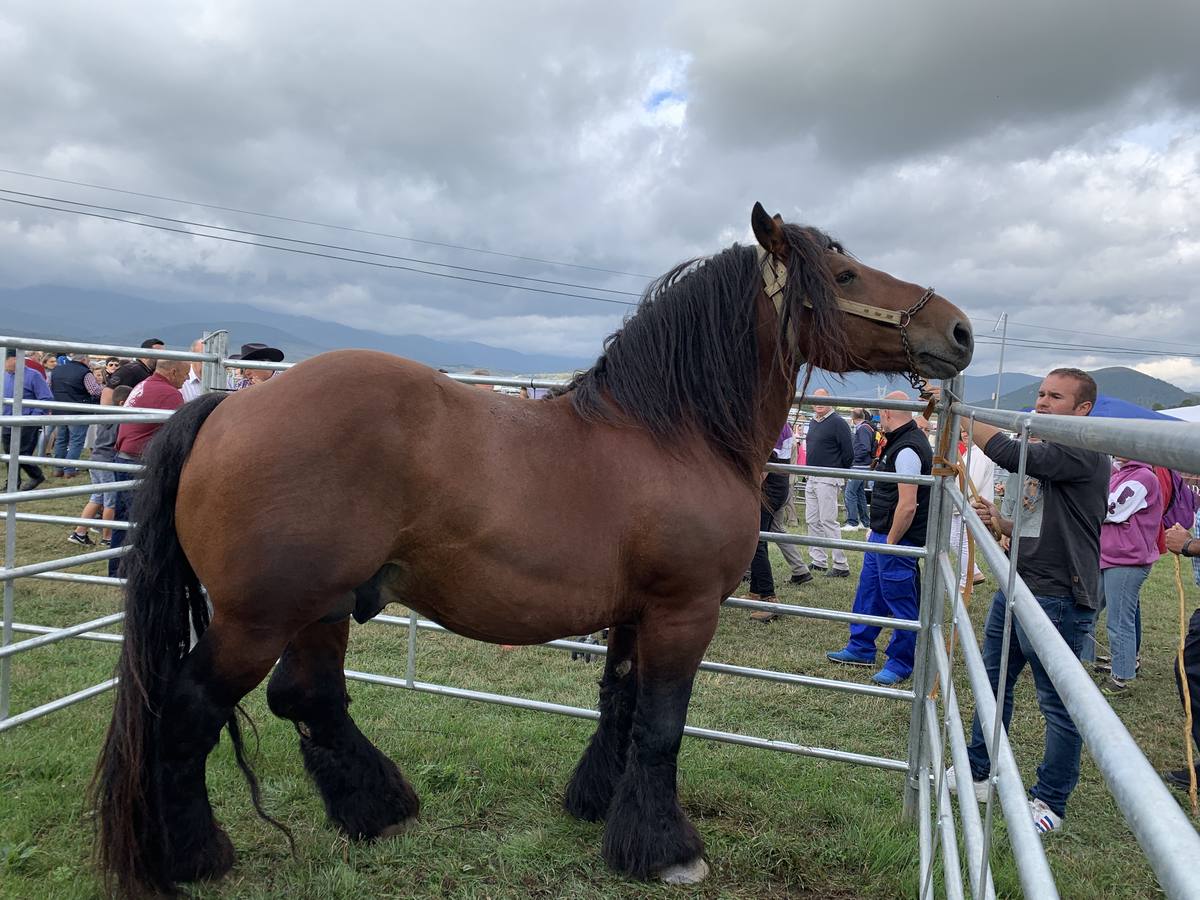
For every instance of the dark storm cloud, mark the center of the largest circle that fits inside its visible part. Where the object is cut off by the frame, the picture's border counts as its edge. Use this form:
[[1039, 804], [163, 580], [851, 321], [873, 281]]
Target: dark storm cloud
[[874, 82]]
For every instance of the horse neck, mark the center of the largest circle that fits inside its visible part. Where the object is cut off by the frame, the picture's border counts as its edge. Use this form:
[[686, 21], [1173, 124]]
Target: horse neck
[[776, 376]]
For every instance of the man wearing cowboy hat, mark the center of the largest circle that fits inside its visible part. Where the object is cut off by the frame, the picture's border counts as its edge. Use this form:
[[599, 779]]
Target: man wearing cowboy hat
[[255, 352]]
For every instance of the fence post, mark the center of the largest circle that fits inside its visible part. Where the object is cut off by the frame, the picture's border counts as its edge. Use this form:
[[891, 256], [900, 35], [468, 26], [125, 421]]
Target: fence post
[[930, 613], [213, 376], [10, 529]]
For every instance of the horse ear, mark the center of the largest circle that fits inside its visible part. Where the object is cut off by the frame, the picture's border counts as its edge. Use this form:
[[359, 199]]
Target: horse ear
[[768, 231]]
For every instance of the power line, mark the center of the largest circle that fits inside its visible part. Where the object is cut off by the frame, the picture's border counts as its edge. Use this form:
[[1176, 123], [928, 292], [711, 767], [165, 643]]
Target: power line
[[1055, 345], [302, 252], [1026, 343], [1125, 337], [276, 237], [397, 237]]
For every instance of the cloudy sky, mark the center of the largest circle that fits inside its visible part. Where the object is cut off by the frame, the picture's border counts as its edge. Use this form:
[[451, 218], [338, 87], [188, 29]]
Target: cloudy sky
[[1030, 158]]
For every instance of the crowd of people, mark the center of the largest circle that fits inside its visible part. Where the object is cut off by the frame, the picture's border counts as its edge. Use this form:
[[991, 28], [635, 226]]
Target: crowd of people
[[1090, 528], [142, 382]]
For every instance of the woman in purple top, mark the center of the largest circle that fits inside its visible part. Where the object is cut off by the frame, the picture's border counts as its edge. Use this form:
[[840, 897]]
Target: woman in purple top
[[1128, 547]]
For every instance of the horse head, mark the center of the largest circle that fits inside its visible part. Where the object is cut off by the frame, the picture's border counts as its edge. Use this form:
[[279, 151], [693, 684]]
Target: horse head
[[844, 316]]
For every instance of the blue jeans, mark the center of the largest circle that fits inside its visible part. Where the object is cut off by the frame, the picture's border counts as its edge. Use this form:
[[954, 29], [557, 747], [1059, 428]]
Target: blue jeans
[[887, 586], [1059, 771], [857, 512], [121, 506], [68, 442], [1121, 595]]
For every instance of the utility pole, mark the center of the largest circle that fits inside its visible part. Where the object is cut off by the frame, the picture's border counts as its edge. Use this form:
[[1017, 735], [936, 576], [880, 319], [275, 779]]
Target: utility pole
[[1003, 340]]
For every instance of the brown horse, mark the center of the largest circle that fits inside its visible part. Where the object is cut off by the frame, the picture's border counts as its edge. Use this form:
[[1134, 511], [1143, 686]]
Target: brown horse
[[355, 481]]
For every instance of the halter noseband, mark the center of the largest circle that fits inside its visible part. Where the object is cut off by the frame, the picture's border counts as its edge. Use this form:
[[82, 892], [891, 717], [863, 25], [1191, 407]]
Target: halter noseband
[[774, 275]]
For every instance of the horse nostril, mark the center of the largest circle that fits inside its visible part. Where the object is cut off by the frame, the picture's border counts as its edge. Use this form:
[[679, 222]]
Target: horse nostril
[[963, 336]]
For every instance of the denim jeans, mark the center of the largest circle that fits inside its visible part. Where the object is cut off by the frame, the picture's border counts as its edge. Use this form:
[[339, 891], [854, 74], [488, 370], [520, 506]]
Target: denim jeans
[[68, 443], [1122, 597], [121, 506], [1059, 771], [857, 512]]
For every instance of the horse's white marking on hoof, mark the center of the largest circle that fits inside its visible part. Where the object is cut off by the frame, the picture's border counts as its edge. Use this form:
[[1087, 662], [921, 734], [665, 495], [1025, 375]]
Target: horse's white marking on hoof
[[398, 828], [685, 873]]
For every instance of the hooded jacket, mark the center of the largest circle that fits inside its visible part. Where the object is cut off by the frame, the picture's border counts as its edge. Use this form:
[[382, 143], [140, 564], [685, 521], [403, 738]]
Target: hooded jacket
[[1129, 535]]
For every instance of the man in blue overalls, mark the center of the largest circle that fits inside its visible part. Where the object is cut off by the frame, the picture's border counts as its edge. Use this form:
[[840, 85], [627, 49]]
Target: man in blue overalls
[[891, 585]]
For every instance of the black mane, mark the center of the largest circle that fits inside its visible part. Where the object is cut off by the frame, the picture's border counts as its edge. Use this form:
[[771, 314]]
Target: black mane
[[687, 359]]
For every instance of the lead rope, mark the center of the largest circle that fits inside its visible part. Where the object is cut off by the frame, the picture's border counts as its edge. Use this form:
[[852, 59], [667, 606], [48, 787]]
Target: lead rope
[[970, 492], [1187, 694]]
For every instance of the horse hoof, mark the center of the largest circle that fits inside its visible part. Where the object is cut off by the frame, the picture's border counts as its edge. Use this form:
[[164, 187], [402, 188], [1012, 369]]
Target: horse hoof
[[397, 829], [209, 861], [685, 873]]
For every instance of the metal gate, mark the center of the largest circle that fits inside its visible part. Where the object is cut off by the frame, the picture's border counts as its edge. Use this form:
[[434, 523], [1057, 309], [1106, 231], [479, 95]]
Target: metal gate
[[936, 727]]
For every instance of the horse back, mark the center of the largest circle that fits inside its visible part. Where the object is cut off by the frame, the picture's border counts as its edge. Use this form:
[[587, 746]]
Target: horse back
[[503, 518]]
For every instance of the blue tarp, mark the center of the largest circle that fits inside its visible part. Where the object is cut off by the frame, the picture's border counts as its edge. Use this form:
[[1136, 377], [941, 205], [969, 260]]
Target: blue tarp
[[1113, 408], [1123, 409]]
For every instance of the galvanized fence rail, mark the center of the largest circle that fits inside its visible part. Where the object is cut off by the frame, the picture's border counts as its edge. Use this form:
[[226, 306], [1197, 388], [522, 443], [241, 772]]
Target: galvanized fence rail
[[937, 735]]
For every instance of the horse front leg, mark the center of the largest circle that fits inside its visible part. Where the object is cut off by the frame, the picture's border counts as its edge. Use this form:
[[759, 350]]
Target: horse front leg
[[590, 791], [647, 835]]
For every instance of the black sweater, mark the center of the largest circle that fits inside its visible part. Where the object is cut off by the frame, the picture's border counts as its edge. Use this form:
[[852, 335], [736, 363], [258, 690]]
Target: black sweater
[[828, 443], [1063, 558]]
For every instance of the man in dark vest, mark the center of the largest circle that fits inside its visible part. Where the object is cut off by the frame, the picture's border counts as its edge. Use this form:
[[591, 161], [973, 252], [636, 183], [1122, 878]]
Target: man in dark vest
[[891, 585], [73, 382]]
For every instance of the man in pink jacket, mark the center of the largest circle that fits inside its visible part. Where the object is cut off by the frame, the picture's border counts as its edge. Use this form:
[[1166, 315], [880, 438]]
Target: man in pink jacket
[[1128, 548]]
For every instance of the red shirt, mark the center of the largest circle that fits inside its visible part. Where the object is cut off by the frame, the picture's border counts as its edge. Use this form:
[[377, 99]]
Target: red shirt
[[153, 393], [36, 366]]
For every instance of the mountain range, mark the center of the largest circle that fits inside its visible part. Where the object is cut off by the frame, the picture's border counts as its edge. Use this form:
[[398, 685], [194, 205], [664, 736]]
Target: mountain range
[[1115, 381], [102, 317]]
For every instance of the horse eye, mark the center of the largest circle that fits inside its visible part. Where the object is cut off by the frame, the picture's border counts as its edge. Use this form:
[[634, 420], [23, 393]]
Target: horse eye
[[845, 277]]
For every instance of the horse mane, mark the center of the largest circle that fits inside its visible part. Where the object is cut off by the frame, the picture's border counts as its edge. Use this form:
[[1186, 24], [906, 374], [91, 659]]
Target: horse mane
[[688, 358]]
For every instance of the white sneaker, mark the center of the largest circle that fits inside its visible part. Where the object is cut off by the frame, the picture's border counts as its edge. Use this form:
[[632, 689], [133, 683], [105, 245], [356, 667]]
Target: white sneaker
[[849, 527], [980, 787], [1045, 820]]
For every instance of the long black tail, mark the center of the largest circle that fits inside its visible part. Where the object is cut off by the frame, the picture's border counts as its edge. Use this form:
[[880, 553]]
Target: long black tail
[[163, 604]]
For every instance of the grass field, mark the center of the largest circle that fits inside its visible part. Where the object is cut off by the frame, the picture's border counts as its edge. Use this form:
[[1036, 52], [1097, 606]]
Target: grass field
[[491, 778]]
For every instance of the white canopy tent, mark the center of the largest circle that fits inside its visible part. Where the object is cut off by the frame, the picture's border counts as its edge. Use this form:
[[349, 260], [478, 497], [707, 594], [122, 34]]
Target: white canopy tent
[[1183, 413]]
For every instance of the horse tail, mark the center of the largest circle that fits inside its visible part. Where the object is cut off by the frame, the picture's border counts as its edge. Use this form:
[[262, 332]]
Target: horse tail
[[164, 604]]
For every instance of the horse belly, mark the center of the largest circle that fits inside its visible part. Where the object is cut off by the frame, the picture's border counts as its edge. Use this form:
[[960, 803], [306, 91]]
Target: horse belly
[[522, 596]]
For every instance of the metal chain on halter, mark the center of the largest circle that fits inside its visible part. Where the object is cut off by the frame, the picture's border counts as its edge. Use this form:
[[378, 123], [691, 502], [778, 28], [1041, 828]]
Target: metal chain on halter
[[918, 383]]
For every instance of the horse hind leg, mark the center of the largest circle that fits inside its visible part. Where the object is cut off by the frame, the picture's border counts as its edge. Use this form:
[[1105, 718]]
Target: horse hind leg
[[221, 669], [591, 788], [364, 793], [646, 833]]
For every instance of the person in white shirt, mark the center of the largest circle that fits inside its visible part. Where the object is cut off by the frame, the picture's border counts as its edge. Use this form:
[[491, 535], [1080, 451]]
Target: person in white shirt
[[192, 387], [982, 475]]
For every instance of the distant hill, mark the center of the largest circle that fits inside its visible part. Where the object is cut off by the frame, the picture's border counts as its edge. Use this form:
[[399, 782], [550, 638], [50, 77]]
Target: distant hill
[[1116, 381], [102, 317]]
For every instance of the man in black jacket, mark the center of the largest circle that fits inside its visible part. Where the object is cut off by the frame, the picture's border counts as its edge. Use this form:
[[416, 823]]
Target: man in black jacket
[[73, 382], [827, 443], [891, 585], [1187, 671], [858, 513], [1064, 499]]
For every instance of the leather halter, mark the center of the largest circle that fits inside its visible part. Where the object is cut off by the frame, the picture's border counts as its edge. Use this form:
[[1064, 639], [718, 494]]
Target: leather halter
[[774, 275]]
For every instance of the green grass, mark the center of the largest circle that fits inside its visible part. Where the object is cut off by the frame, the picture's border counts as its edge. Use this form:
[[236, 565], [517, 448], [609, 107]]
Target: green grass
[[491, 778]]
